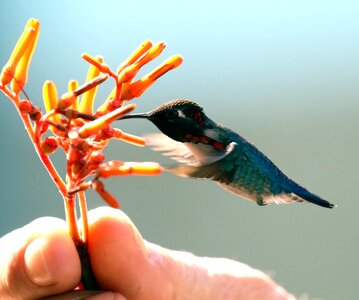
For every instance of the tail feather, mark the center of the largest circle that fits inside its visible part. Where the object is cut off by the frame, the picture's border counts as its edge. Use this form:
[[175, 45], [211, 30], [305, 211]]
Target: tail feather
[[310, 197]]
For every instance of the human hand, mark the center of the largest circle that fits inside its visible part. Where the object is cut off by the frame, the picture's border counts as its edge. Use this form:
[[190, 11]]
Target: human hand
[[40, 260]]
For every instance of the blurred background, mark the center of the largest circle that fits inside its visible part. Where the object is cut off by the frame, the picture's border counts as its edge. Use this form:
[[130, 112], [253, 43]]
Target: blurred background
[[283, 74]]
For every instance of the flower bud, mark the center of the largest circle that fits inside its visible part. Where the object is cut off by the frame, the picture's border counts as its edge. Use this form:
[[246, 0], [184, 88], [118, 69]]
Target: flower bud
[[25, 106], [49, 145], [35, 113]]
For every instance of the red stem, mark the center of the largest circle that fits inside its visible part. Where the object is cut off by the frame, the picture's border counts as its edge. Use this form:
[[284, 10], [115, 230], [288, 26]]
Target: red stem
[[83, 210], [70, 204]]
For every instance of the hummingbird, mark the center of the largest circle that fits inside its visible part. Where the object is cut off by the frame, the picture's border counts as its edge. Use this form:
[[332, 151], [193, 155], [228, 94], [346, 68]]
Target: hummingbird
[[208, 150]]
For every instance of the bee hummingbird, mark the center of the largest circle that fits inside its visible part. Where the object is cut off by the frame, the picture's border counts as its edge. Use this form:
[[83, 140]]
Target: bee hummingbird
[[207, 149]]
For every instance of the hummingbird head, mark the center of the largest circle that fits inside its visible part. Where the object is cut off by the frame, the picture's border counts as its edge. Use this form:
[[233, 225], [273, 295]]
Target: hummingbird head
[[181, 120]]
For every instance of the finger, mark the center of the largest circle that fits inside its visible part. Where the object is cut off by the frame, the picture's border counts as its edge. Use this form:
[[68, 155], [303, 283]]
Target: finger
[[121, 260], [38, 260]]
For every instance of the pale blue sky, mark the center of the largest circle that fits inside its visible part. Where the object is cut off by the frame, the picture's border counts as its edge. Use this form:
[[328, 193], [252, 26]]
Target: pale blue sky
[[284, 74]]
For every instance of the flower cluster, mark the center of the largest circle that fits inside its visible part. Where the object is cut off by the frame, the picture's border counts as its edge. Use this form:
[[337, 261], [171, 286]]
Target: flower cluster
[[71, 122], [80, 130]]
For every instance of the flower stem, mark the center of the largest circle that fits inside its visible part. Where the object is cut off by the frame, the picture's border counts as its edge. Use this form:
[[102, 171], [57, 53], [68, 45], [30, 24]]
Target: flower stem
[[87, 278], [70, 209], [83, 210]]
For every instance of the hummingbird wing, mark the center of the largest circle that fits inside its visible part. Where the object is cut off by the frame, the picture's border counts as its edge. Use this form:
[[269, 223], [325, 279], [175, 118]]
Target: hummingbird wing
[[220, 169], [169, 147], [185, 153]]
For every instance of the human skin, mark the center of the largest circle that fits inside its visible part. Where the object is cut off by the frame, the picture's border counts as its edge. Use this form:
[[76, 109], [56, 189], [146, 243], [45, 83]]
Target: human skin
[[40, 260]]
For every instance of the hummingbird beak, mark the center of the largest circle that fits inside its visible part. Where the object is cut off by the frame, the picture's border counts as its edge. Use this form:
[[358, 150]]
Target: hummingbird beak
[[135, 116]]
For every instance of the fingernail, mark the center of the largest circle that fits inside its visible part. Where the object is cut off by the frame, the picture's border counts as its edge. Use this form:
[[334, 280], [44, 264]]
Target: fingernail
[[36, 265]]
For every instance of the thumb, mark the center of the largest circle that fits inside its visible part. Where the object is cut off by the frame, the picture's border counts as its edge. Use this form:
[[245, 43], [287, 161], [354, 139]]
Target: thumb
[[38, 260], [122, 261]]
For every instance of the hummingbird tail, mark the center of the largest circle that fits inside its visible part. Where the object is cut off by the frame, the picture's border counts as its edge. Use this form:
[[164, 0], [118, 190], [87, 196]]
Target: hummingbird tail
[[310, 197]]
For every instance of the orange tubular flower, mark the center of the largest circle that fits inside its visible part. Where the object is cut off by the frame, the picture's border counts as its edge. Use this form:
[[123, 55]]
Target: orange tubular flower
[[125, 89], [91, 128], [70, 99], [141, 50], [88, 98], [128, 73], [49, 95], [97, 62], [22, 70], [67, 100], [99, 187], [130, 168], [26, 42], [137, 88], [72, 86], [129, 138]]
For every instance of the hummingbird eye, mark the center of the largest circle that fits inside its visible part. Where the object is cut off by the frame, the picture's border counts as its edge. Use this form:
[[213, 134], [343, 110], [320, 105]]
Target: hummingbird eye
[[175, 114]]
